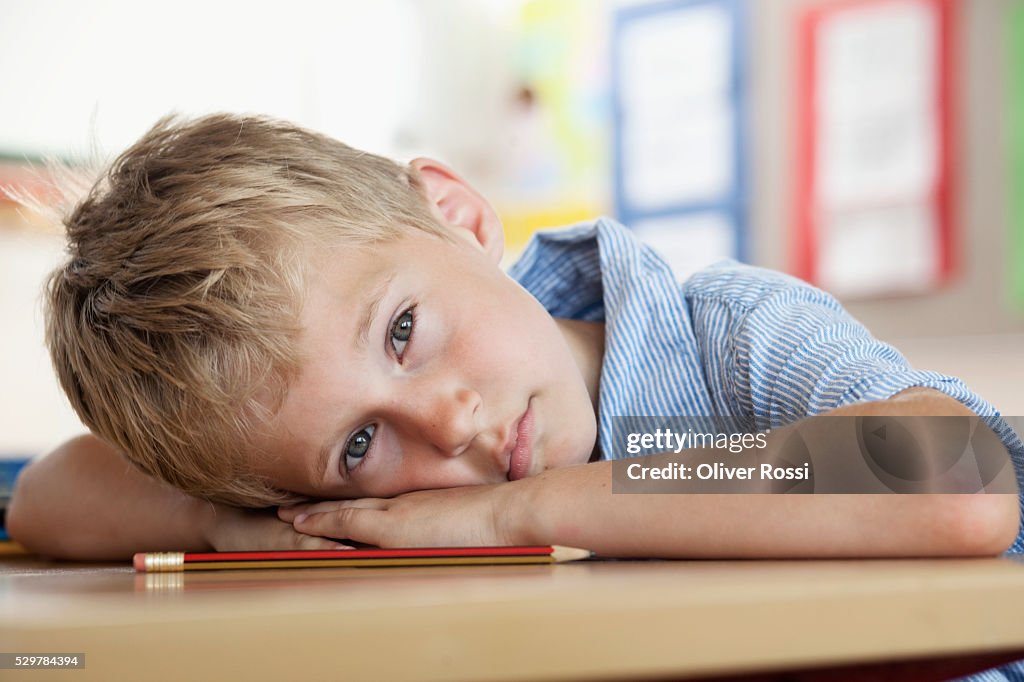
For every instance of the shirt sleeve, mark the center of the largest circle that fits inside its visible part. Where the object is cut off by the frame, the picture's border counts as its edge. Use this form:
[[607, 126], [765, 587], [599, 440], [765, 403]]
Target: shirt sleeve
[[780, 349]]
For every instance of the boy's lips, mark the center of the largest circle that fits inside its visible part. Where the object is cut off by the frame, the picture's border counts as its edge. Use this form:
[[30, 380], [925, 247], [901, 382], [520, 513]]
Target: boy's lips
[[522, 447]]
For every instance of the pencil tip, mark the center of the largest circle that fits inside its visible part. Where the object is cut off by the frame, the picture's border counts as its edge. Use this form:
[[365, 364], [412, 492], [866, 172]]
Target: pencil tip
[[561, 553]]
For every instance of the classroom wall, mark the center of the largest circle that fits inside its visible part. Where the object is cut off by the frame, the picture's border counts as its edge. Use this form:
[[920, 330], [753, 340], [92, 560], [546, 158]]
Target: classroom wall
[[78, 75], [34, 414]]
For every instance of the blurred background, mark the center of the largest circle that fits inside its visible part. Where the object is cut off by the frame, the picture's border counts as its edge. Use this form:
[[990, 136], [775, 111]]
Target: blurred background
[[873, 147]]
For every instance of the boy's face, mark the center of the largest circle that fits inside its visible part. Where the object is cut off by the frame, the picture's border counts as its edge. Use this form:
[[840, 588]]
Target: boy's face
[[426, 367]]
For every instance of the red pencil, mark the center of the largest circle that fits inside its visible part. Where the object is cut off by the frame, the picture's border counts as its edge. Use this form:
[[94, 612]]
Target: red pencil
[[161, 562]]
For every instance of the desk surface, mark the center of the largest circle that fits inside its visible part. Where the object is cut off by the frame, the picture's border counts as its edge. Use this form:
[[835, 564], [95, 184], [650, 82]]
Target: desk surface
[[586, 620]]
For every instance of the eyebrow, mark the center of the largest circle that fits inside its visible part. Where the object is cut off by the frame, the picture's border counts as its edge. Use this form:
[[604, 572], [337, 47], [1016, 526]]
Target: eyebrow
[[373, 299], [323, 457]]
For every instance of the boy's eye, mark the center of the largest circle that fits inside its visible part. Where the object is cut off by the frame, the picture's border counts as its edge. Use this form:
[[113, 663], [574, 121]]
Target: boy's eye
[[401, 332], [357, 446]]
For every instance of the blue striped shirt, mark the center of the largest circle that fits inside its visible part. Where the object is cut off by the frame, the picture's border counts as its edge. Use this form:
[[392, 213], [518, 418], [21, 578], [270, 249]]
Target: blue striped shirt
[[732, 339]]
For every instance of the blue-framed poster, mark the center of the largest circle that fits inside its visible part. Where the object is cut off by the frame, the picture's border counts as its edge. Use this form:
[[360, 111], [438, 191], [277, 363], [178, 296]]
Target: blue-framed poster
[[679, 113]]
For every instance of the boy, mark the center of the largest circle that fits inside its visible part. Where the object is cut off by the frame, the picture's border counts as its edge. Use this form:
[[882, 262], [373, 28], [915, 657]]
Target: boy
[[261, 316]]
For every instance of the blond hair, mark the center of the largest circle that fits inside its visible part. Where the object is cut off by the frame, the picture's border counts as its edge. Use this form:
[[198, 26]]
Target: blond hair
[[176, 313]]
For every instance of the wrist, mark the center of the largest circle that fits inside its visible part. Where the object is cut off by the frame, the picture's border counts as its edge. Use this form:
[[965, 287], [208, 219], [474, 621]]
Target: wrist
[[210, 519], [521, 512], [569, 506]]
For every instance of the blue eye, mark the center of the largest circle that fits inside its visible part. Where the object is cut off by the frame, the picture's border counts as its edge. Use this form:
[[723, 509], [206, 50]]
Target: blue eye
[[401, 332], [357, 446]]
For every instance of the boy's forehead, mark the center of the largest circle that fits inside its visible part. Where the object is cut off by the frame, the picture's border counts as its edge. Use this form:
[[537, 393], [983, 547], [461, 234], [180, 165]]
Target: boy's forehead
[[353, 267], [346, 271]]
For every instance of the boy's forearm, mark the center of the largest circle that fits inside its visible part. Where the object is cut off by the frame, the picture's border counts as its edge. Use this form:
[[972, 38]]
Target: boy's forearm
[[84, 501], [576, 507]]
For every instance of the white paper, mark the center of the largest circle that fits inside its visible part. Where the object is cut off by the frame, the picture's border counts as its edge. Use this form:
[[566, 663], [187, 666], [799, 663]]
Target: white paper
[[691, 242], [687, 160], [877, 115], [891, 249], [676, 56], [675, 108]]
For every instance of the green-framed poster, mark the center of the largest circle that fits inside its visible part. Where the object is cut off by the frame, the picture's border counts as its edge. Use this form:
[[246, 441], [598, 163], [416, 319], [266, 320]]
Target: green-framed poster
[[1015, 134]]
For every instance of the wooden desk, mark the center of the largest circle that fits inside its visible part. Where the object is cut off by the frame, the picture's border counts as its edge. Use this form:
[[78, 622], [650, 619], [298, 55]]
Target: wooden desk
[[582, 621]]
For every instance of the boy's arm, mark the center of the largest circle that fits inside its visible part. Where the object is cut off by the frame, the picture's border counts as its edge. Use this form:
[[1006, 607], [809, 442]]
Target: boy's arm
[[769, 526], [766, 526], [83, 501], [574, 506]]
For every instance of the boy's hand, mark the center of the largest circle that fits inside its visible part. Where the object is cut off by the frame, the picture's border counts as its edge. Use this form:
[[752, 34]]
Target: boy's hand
[[230, 529], [452, 517]]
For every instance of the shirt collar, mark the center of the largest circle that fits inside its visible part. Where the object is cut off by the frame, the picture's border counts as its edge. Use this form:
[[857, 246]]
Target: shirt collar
[[599, 271]]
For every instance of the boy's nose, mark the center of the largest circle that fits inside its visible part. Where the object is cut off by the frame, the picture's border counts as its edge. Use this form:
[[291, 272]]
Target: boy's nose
[[448, 419]]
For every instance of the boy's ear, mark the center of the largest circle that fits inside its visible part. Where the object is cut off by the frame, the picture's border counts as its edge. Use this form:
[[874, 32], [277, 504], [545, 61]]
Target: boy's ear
[[461, 207]]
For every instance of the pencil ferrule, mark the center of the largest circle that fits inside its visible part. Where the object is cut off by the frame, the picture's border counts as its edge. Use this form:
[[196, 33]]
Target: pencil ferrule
[[165, 562]]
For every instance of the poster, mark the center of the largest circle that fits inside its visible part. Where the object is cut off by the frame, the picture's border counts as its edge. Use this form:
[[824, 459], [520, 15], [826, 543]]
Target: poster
[[875, 148], [679, 111], [1015, 136]]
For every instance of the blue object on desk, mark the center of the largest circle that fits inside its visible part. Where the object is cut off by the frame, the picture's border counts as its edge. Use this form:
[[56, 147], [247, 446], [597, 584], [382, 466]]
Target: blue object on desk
[[9, 470]]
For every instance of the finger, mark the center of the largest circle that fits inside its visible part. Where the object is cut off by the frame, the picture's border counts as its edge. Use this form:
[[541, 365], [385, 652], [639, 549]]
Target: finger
[[290, 513], [310, 542], [353, 523], [297, 540]]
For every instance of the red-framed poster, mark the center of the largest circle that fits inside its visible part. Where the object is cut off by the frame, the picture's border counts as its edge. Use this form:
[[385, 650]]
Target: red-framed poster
[[875, 147]]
